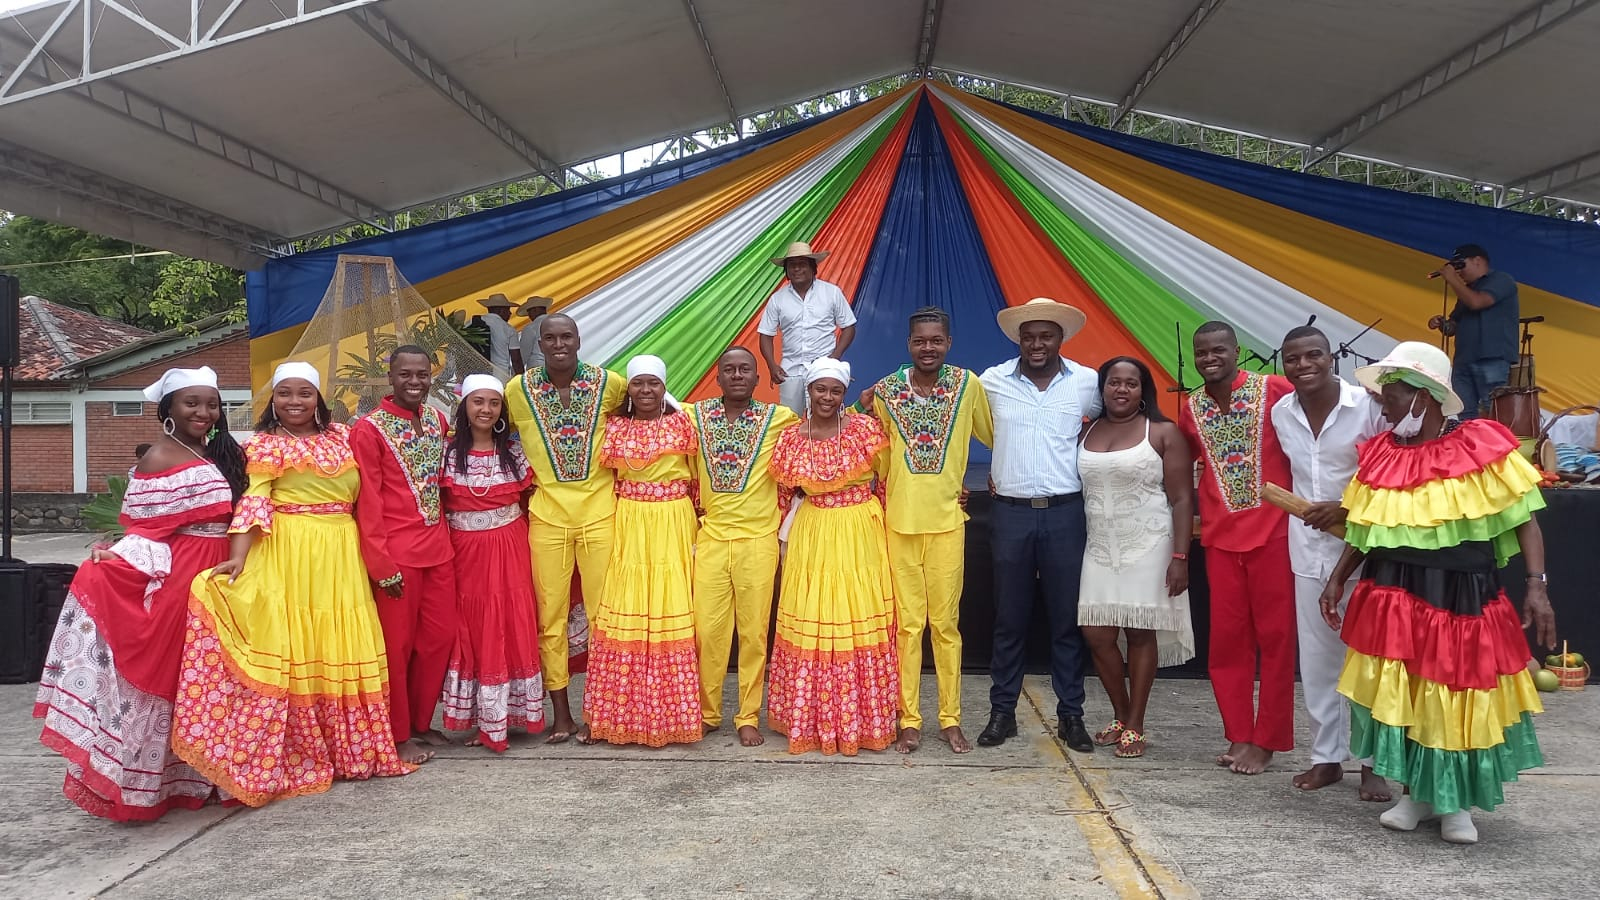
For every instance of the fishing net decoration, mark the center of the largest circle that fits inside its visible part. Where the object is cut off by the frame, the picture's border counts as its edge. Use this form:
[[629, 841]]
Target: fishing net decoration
[[368, 311]]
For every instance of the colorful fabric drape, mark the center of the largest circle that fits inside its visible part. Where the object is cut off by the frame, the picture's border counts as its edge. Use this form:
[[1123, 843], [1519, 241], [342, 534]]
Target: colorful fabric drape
[[930, 196]]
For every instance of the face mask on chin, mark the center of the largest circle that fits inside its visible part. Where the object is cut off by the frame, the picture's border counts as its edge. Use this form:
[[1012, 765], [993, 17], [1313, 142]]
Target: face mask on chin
[[1411, 425]]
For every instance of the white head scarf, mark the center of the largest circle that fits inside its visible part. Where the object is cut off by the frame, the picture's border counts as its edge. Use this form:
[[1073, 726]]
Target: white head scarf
[[645, 364], [828, 367], [178, 379], [474, 383], [303, 370]]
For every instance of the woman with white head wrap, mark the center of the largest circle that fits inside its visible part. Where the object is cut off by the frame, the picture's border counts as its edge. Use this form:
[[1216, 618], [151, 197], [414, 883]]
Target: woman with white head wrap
[[107, 688], [834, 683], [284, 656], [644, 682], [494, 682]]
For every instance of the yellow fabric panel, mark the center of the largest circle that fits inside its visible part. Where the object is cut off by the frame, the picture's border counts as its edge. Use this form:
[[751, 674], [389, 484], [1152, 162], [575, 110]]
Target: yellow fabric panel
[[1432, 714], [733, 591], [647, 599], [924, 502], [1492, 489], [1362, 276]]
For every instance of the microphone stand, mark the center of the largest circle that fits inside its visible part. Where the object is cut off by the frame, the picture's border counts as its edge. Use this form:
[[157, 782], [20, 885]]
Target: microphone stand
[[1346, 351], [1177, 333]]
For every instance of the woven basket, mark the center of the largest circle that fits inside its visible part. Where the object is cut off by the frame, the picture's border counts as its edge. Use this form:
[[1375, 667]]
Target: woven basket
[[1572, 678]]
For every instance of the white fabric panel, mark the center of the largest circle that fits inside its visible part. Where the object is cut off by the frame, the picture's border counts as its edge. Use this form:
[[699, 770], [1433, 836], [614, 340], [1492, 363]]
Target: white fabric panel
[[613, 317], [1260, 307]]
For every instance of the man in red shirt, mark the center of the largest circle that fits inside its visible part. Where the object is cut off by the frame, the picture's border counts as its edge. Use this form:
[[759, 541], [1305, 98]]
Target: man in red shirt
[[1227, 424], [399, 449]]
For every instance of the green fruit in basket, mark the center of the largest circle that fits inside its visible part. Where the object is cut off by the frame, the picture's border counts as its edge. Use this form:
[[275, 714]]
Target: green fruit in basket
[[1546, 680], [1575, 660], [1554, 661]]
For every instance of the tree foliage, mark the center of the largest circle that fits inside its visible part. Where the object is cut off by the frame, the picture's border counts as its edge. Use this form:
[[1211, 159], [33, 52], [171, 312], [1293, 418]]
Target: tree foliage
[[152, 292]]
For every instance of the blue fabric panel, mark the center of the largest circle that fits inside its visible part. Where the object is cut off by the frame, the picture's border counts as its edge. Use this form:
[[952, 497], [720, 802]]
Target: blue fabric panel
[[928, 252], [1558, 256], [285, 292]]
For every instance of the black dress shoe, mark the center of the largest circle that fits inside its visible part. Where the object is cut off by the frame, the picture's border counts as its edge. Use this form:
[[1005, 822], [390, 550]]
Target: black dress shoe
[[1074, 734], [1001, 726]]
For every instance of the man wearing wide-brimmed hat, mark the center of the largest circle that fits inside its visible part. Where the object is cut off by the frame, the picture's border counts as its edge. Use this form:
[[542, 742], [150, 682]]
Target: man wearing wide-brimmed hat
[[1039, 401], [502, 337], [807, 311], [535, 308]]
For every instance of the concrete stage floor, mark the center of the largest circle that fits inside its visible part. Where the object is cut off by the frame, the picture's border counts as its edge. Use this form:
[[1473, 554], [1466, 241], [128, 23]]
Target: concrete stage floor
[[1026, 820]]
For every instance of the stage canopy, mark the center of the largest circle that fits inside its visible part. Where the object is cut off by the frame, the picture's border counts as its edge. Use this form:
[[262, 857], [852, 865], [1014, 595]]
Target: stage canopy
[[932, 196], [225, 128]]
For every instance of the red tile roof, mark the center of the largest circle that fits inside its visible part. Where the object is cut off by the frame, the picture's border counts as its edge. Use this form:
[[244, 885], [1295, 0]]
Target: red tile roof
[[53, 337]]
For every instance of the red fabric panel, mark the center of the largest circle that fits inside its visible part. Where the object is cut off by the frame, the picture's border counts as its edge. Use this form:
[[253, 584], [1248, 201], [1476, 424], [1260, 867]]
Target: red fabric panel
[[1456, 651], [1473, 446]]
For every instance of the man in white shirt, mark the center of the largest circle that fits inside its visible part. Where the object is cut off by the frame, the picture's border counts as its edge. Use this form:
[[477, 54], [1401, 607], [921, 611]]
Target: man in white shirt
[[528, 338], [502, 337], [1319, 427], [806, 311], [1038, 401]]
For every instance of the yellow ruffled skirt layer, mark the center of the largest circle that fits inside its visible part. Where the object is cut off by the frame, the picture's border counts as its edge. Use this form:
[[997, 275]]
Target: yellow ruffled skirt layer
[[284, 685], [1476, 495], [835, 683], [643, 684]]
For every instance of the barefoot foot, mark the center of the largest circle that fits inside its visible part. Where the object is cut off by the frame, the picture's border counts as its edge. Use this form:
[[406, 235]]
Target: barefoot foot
[[750, 736], [1373, 788], [1253, 761], [584, 737], [706, 728], [433, 738], [956, 739], [1319, 776], [908, 741], [412, 754], [562, 730], [1234, 749]]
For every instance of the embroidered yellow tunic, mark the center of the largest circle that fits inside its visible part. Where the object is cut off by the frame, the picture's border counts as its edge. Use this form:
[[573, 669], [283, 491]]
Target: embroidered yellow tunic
[[562, 442], [734, 468], [929, 442]]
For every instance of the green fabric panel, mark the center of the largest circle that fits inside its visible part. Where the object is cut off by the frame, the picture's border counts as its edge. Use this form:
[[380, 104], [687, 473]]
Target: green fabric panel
[[1449, 780], [691, 337], [1500, 529], [1145, 308]]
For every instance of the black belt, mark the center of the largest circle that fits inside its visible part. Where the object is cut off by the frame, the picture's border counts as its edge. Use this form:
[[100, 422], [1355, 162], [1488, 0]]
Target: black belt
[[1040, 502]]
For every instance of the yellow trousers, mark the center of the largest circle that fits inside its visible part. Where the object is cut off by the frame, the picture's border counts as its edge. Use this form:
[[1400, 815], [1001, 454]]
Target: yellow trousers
[[733, 588], [556, 552], [927, 571]]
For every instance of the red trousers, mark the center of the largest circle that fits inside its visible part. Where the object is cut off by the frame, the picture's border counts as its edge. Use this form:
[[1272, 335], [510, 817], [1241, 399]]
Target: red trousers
[[1252, 611], [419, 631]]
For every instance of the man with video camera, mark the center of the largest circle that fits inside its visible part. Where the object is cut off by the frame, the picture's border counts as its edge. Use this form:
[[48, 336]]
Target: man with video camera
[[1484, 323]]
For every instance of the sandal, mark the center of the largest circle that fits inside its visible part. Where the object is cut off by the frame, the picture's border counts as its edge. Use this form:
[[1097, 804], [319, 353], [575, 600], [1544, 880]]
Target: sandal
[[1110, 734], [1130, 745]]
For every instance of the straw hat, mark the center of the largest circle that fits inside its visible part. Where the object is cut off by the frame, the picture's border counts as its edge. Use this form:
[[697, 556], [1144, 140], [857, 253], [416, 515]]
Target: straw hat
[[497, 301], [1424, 360], [1041, 309], [800, 249], [527, 307]]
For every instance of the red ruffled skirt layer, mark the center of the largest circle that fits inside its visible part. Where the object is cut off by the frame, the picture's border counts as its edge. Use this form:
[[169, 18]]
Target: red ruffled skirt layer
[[1457, 651], [1471, 447], [494, 682], [95, 693]]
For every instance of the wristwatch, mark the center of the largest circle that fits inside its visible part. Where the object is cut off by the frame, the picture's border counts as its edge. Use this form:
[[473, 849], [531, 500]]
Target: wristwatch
[[1540, 577]]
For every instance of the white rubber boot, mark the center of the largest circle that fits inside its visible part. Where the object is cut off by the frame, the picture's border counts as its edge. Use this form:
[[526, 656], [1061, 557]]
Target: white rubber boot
[[1457, 828], [1406, 814]]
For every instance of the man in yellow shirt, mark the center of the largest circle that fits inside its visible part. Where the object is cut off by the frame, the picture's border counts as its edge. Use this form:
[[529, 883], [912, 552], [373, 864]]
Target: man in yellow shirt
[[932, 412], [736, 556], [559, 409]]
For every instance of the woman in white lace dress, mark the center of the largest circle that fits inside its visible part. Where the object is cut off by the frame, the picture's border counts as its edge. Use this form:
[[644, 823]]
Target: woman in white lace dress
[[1138, 492]]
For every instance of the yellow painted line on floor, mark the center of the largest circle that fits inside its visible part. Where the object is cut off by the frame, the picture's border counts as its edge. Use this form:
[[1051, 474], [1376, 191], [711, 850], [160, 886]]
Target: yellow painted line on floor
[[1123, 868]]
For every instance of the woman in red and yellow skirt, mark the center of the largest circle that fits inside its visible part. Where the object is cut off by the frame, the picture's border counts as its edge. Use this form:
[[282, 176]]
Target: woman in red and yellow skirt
[[284, 685], [493, 683], [834, 683], [1436, 670], [643, 682]]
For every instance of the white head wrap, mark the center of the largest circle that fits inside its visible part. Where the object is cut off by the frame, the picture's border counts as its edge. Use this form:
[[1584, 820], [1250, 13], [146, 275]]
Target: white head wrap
[[303, 370], [828, 367], [645, 364], [178, 379], [474, 383]]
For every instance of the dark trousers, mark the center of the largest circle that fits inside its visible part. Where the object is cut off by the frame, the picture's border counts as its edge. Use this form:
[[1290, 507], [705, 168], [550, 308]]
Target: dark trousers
[[1037, 550]]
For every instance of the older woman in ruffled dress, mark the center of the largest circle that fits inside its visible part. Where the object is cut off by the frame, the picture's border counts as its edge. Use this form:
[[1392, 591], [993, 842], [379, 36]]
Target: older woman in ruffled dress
[[834, 683]]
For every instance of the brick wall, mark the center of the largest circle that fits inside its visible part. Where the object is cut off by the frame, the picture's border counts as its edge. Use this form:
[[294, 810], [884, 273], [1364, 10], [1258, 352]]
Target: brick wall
[[112, 439], [231, 359], [41, 457]]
